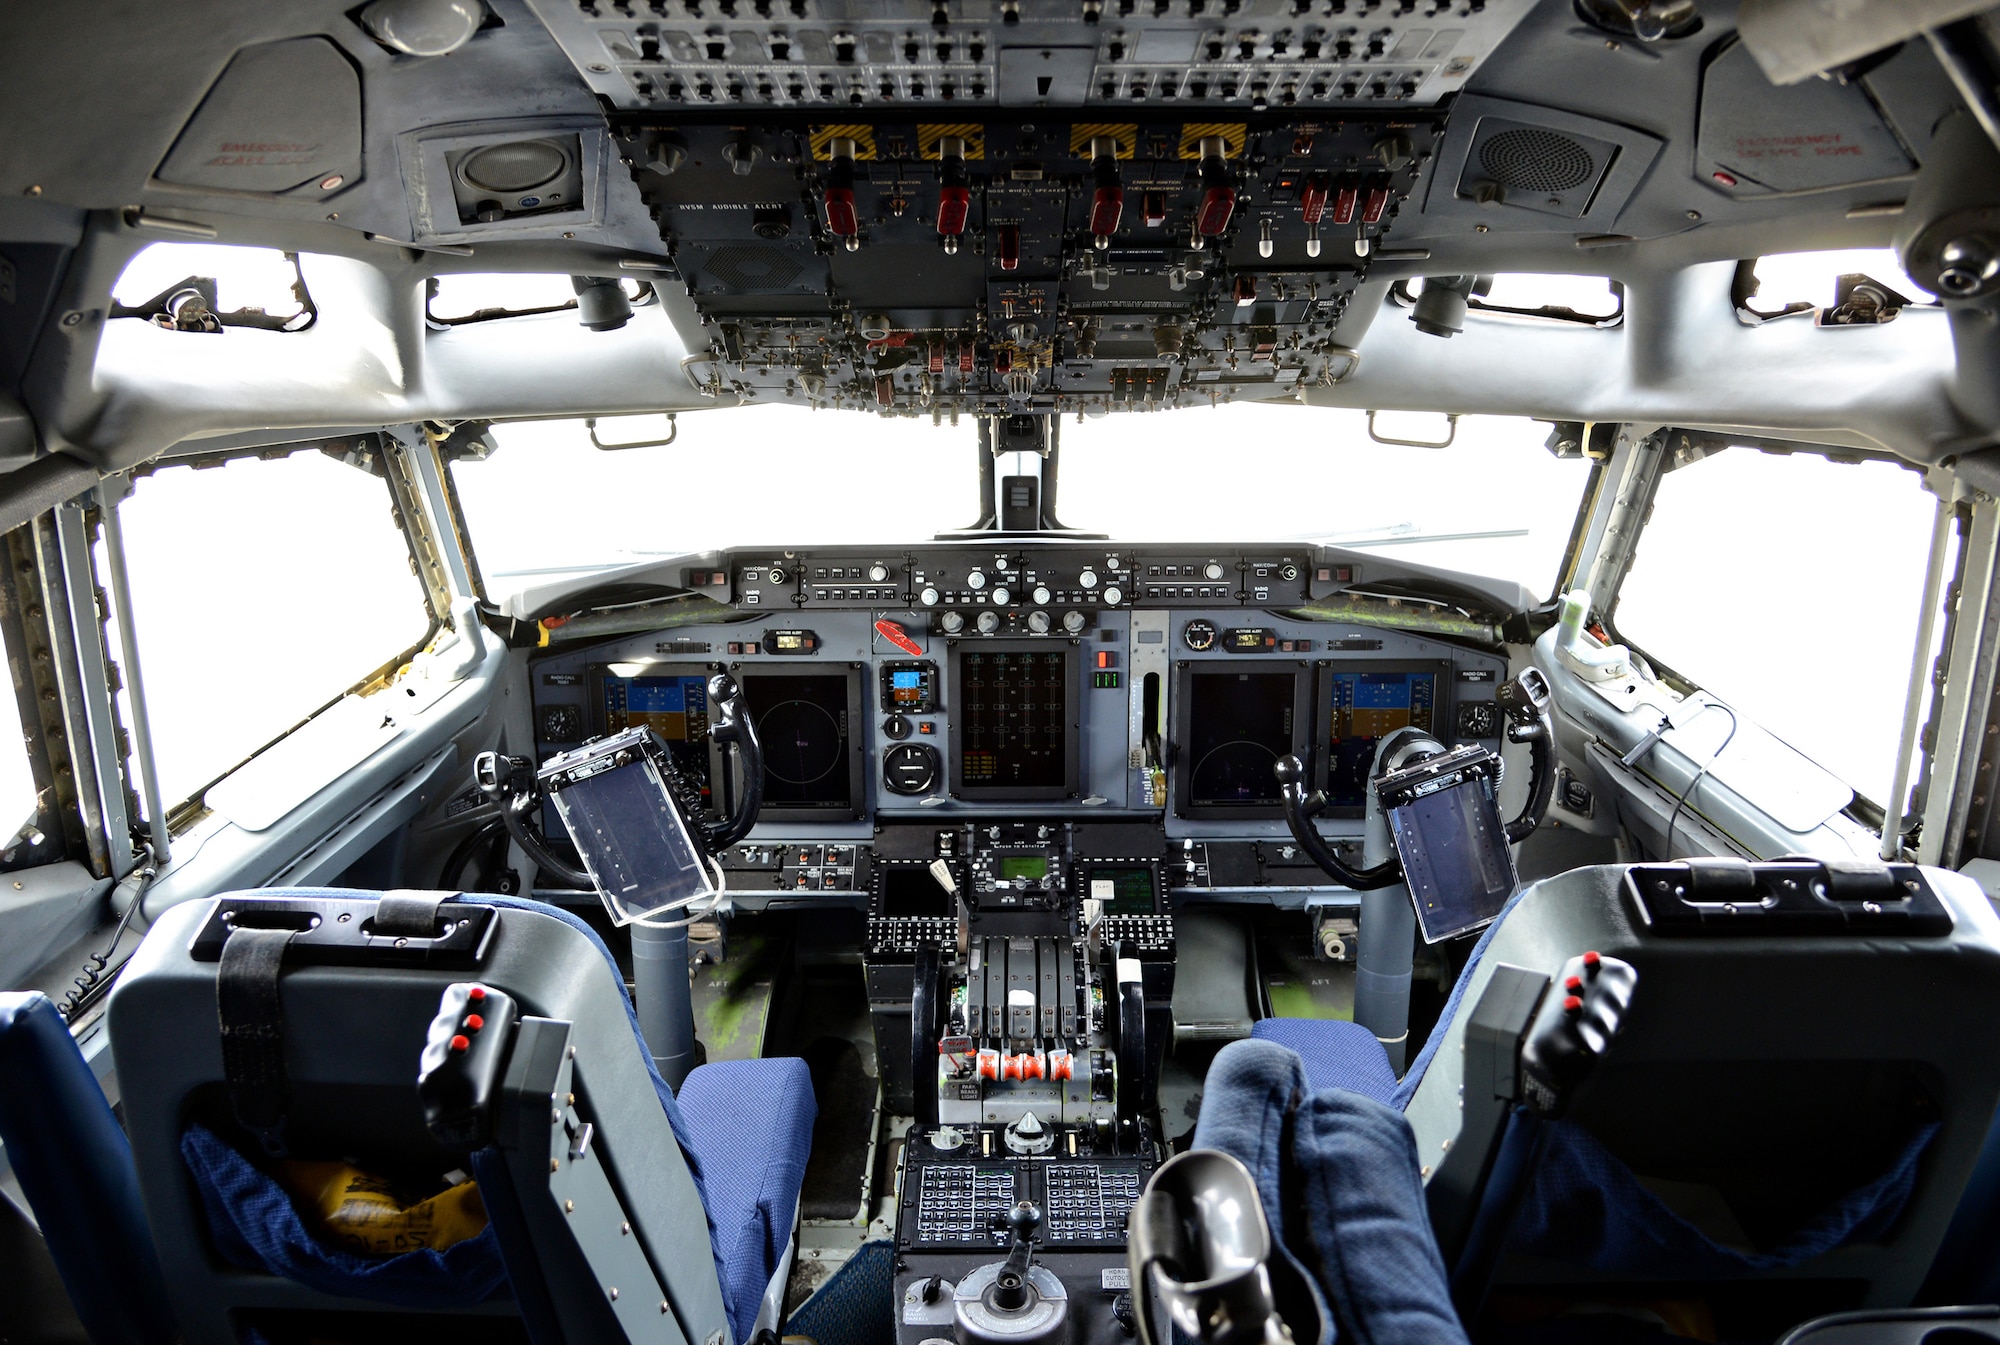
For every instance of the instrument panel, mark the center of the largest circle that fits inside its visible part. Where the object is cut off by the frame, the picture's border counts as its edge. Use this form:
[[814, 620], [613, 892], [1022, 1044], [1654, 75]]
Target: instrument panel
[[1001, 699]]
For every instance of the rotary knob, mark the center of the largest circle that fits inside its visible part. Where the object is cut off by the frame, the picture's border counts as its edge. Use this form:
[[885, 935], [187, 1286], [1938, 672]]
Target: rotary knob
[[928, 597], [877, 573], [1041, 593], [989, 622], [1088, 579], [1038, 622], [1002, 595], [976, 579], [896, 727], [1113, 596], [1288, 572], [953, 622], [1212, 570], [1072, 622]]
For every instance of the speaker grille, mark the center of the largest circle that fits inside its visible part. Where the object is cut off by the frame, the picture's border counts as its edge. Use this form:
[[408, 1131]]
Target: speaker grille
[[752, 268], [1532, 159], [517, 166]]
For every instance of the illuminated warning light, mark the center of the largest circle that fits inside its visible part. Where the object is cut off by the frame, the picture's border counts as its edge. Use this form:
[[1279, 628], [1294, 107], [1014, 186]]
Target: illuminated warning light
[[1217, 205], [1312, 200], [840, 218], [954, 203], [1010, 247], [1106, 208], [1726, 179], [1376, 202]]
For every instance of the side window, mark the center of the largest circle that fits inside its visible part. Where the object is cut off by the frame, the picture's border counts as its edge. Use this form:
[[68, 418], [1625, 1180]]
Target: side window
[[1789, 586], [262, 590]]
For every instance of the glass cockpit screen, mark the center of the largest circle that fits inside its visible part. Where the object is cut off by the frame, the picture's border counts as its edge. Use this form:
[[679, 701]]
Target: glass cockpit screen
[[1238, 724], [1013, 736], [675, 706], [1365, 705], [804, 723]]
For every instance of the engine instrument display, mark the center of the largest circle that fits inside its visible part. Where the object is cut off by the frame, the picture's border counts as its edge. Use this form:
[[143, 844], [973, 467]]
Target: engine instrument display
[[1014, 730], [674, 705], [1365, 704], [1235, 726], [804, 722]]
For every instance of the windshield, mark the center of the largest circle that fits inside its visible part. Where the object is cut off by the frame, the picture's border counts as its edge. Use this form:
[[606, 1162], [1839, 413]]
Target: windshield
[[547, 501]]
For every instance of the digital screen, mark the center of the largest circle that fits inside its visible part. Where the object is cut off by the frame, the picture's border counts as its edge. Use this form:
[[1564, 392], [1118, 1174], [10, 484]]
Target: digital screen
[[1125, 890], [802, 725], [1239, 724], [675, 707], [1366, 707], [1454, 851], [909, 688], [1033, 867], [1012, 725], [910, 890]]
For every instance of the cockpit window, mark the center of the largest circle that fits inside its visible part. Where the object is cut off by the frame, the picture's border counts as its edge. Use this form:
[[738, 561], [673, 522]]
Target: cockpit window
[[1789, 586], [548, 502], [1589, 299], [1495, 502], [209, 286], [480, 297], [262, 589]]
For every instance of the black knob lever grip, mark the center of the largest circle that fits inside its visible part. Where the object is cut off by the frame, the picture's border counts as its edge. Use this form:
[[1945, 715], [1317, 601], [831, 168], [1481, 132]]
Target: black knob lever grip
[[1300, 809], [734, 728]]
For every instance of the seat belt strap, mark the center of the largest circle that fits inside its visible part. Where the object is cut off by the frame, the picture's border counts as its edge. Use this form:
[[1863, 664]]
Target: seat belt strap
[[253, 1032], [409, 915]]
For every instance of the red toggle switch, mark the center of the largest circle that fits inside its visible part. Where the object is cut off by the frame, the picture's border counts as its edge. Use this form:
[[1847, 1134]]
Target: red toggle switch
[[1106, 208], [1343, 204], [1377, 202], [840, 219], [885, 390], [954, 203], [965, 357], [1154, 209], [1312, 200], [1003, 362], [937, 358], [1217, 205], [1010, 247], [1246, 290]]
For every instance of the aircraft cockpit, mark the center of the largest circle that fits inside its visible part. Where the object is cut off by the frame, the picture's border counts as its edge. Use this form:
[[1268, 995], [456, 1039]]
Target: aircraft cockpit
[[999, 672]]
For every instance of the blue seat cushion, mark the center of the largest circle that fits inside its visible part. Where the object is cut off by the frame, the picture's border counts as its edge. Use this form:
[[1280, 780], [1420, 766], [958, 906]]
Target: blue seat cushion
[[1336, 1054], [750, 1123]]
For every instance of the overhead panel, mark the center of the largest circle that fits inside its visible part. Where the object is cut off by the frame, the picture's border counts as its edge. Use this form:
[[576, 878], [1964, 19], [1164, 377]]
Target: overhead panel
[[819, 54]]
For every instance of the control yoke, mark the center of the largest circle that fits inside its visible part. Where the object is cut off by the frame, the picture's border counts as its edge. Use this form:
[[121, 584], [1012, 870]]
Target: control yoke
[[510, 784], [1524, 701]]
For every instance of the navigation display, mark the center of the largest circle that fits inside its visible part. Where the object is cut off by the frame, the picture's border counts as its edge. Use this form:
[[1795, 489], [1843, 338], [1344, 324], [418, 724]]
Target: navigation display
[[804, 723], [1237, 724], [1014, 735], [673, 705], [912, 890], [1365, 703]]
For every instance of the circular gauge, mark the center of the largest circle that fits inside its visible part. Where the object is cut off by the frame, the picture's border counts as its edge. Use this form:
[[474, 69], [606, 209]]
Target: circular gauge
[[801, 742], [1240, 771], [1198, 635], [1478, 719], [911, 768]]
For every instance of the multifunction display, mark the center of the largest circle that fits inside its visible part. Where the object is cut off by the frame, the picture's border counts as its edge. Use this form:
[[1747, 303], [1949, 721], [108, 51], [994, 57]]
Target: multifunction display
[[675, 706], [1365, 704], [1014, 721], [804, 723], [1235, 725]]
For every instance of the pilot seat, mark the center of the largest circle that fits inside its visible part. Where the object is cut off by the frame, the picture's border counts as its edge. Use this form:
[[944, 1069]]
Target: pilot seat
[[1787, 1115], [262, 1028]]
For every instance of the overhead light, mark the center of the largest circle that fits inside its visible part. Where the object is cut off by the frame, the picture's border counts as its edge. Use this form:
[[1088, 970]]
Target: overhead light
[[423, 27]]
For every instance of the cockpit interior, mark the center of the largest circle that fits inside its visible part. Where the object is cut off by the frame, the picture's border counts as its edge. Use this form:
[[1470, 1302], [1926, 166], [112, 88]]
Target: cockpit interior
[[1336, 681]]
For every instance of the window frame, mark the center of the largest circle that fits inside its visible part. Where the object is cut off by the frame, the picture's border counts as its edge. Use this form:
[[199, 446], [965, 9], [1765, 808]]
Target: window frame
[[1861, 809], [427, 567]]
